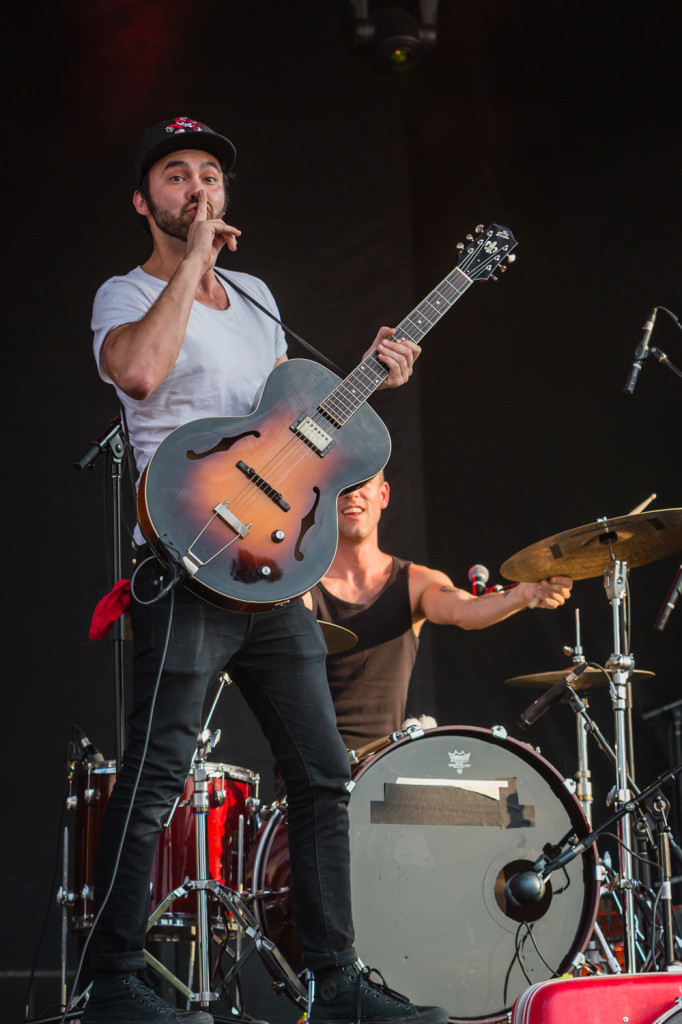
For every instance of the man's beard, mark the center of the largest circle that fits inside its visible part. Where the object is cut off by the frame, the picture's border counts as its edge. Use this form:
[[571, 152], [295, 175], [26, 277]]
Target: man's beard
[[173, 226]]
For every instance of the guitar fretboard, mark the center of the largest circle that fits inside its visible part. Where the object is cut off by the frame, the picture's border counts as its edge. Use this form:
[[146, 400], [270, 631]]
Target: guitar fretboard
[[364, 380]]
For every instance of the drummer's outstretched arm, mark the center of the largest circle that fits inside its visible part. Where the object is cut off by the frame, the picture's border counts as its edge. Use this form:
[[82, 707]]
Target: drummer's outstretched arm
[[438, 600]]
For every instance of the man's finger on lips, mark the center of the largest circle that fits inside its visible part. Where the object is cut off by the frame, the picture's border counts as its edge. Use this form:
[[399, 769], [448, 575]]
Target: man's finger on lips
[[202, 206]]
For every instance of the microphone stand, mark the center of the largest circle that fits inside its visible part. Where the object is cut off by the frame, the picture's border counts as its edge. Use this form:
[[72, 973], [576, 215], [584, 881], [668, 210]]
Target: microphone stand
[[112, 442], [676, 754], [664, 361], [545, 868]]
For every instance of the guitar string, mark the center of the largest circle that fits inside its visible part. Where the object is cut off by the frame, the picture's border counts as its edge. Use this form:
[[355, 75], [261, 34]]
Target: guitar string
[[339, 404]]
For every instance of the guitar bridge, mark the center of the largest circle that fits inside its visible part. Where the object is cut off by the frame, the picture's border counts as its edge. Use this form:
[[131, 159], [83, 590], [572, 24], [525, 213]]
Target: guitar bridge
[[263, 485]]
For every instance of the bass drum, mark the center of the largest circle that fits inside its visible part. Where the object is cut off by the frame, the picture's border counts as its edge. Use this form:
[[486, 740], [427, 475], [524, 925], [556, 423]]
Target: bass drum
[[437, 827]]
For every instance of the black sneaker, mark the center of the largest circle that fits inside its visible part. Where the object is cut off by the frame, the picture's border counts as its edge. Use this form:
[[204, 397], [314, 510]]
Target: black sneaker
[[350, 994], [126, 999]]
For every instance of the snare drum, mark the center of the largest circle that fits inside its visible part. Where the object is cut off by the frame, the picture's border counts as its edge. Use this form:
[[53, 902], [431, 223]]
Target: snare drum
[[437, 827], [232, 794]]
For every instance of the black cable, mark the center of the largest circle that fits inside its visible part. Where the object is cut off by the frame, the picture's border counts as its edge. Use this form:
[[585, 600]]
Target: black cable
[[654, 940], [633, 853], [130, 807], [671, 315], [529, 929]]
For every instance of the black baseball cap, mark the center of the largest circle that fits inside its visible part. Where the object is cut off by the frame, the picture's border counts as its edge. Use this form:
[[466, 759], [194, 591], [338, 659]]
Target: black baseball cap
[[180, 133]]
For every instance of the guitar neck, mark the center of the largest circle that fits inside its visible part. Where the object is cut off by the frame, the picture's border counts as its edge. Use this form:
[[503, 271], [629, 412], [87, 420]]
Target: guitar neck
[[364, 380]]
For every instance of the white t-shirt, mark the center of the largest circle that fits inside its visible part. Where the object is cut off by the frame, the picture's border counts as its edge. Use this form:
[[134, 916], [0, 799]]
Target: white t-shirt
[[220, 371]]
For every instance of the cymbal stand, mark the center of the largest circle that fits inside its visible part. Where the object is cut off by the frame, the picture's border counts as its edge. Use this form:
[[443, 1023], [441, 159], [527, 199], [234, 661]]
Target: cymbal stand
[[620, 666], [588, 727], [583, 775], [234, 902]]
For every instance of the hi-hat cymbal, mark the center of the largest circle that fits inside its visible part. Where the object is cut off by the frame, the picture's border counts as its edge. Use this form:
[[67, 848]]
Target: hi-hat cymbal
[[590, 679], [587, 550], [337, 638]]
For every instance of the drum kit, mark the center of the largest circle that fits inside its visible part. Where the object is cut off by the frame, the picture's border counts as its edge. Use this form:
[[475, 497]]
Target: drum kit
[[474, 867]]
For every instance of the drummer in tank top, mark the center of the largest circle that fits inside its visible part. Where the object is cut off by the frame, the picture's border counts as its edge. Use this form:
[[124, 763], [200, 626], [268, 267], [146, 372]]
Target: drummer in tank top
[[385, 601]]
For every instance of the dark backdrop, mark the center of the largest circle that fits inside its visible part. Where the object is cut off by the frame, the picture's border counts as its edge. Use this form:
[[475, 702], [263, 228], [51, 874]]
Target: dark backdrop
[[353, 189]]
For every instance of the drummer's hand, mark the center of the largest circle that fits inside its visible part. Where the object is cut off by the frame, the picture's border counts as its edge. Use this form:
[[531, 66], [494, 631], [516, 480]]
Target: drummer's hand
[[551, 593], [397, 355]]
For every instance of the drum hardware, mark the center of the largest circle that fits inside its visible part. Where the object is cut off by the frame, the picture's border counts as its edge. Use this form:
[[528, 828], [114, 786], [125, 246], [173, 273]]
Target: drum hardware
[[610, 547], [411, 732], [437, 825], [231, 900]]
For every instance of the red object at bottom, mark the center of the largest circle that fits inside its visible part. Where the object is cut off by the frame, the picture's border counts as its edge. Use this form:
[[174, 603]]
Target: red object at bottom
[[610, 999]]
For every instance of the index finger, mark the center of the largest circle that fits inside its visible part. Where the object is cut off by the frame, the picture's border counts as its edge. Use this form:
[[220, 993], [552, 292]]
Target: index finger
[[202, 205]]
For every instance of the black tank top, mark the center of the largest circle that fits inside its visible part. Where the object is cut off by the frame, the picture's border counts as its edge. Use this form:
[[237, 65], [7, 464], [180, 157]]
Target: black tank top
[[369, 682]]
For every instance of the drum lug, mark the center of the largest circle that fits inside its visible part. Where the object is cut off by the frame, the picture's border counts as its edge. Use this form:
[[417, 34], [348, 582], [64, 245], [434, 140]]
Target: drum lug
[[71, 803], [499, 732], [65, 897], [218, 797], [91, 796], [252, 806], [570, 785]]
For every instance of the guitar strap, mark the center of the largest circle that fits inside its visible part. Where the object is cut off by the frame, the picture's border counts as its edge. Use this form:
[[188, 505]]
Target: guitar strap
[[263, 309], [311, 348]]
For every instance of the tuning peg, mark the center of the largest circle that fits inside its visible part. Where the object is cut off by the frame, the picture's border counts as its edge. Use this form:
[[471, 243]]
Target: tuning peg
[[511, 257], [460, 246], [470, 238], [478, 229], [493, 278], [502, 268]]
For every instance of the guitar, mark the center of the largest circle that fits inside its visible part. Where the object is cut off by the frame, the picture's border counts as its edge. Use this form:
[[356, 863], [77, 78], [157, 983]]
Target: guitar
[[246, 506]]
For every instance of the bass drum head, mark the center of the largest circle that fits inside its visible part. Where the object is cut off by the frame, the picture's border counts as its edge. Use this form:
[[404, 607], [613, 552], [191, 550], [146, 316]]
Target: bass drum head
[[437, 826]]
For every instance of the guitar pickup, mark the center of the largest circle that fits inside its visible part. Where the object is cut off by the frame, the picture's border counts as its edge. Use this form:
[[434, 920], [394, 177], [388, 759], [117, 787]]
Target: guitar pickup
[[263, 485], [313, 434], [223, 512]]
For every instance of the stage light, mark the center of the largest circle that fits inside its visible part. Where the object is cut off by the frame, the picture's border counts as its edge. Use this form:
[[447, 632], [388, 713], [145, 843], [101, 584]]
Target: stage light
[[395, 36]]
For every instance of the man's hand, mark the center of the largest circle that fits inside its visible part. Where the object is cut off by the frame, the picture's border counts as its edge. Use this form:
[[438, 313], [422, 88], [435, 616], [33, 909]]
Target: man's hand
[[397, 356], [551, 593], [206, 237]]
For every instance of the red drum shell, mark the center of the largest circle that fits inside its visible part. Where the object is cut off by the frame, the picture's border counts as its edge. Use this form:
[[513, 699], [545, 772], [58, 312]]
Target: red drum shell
[[229, 788], [437, 826]]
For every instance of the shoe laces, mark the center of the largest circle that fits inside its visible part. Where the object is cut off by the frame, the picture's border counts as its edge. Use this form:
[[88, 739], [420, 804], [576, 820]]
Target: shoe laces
[[365, 975], [143, 993]]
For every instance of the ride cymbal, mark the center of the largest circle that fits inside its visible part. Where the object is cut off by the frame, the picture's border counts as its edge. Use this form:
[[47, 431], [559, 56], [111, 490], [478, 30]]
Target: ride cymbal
[[337, 638], [590, 679], [587, 550]]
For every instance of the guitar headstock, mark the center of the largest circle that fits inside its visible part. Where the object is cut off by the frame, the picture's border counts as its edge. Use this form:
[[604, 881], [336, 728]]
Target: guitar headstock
[[485, 251]]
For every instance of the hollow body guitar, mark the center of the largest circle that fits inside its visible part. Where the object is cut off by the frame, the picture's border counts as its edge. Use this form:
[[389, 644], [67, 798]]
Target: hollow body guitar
[[246, 506]]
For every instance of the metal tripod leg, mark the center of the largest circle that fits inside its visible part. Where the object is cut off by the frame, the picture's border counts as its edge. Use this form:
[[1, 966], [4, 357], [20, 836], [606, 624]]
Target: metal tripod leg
[[256, 941]]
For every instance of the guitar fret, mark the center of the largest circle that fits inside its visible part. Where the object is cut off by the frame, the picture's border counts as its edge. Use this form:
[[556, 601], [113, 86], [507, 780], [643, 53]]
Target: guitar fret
[[364, 380]]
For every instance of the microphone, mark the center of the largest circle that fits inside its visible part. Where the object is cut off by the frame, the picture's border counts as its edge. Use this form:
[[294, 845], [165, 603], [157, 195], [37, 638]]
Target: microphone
[[536, 710], [641, 352], [529, 886], [670, 603], [87, 749], [524, 888], [478, 577]]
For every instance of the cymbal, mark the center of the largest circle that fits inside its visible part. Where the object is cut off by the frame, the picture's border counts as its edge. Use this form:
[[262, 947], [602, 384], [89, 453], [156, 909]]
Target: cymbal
[[587, 550], [590, 679], [337, 638]]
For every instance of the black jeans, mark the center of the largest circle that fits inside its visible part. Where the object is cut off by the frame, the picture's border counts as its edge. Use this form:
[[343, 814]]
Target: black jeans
[[277, 659]]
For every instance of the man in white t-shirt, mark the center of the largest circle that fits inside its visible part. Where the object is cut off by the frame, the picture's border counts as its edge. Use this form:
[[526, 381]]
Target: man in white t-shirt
[[178, 343]]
